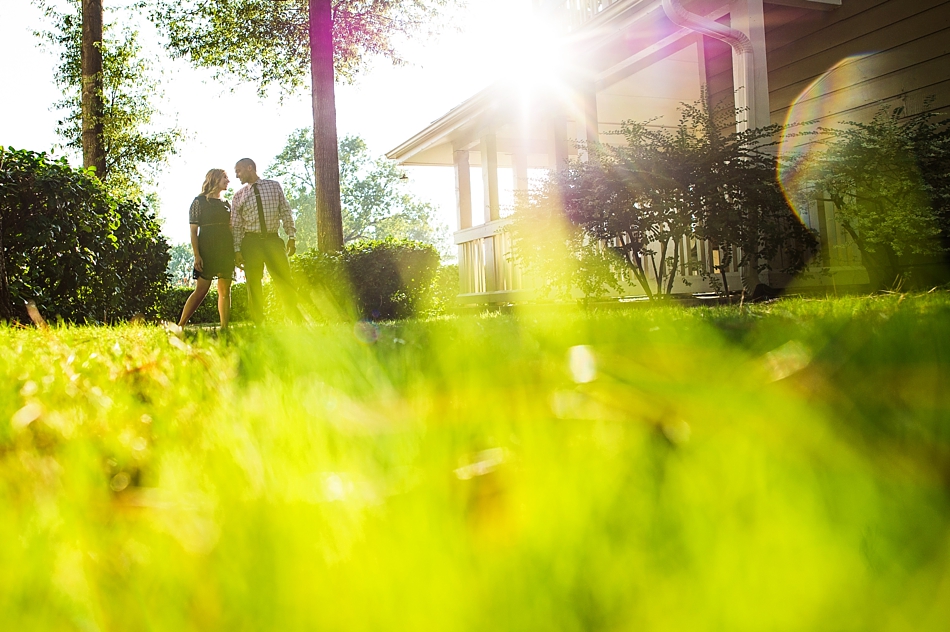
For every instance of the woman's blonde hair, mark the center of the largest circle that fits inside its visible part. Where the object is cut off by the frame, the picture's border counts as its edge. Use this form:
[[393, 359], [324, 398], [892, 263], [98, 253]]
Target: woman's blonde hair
[[211, 179]]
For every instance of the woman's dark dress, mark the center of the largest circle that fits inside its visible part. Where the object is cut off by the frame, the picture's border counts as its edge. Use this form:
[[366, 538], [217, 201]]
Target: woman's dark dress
[[215, 243]]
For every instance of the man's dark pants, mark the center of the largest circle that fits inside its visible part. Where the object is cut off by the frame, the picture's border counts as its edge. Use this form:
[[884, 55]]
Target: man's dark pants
[[270, 251]]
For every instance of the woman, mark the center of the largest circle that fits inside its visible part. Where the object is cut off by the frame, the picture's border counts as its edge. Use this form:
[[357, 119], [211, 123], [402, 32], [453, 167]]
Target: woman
[[211, 241]]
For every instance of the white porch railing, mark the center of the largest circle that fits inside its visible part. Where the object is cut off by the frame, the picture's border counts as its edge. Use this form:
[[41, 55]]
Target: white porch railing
[[488, 275]]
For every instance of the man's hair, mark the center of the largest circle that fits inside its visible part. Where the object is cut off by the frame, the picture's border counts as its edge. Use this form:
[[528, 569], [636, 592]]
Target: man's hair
[[249, 162]]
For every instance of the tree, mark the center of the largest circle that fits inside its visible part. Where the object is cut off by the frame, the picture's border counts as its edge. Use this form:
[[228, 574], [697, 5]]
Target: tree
[[279, 42], [890, 182], [180, 264], [91, 82], [127, 148], [663, 188], [374, 202]]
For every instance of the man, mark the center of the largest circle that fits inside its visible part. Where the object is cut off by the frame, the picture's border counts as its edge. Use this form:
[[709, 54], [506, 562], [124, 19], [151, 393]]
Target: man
[[257, 211]]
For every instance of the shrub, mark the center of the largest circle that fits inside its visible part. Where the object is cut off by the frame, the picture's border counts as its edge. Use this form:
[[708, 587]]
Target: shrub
[[890, 182], [390, 278], [381, 279], [376, 280], [661, 188], [321, 278], [140, 262], [78, 252], [174, 300], [444, 290]]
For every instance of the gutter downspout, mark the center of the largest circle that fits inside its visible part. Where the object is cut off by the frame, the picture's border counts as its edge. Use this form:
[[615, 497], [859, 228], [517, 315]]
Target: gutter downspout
[[743, 77], [743, 66]]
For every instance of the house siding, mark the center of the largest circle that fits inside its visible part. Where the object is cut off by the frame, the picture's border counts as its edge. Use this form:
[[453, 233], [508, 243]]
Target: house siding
[[719, 83], [893, 52]]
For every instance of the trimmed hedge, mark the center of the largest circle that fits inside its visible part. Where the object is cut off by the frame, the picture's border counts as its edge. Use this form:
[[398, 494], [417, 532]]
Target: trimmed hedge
[[80, 253], [373, 280], [445, 289], [175, 297], [383, 279]]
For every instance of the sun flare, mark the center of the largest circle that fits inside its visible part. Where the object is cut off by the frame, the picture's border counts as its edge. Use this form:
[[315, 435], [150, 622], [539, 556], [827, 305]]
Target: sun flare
[[533, 51]]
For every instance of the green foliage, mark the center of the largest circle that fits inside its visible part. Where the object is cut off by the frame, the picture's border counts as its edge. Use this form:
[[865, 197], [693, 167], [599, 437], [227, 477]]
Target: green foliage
[[268, 42], [561, 255], [174, 299], [78, 252], [775, 467], [279, 42], [661, 188], [134, 149], [293, 166], [140, 263], [890, 182], [445, 290], [181, 263], [390, 277], [383, 279], [375, 203]]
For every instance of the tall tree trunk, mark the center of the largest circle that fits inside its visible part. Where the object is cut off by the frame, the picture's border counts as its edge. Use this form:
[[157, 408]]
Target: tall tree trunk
[[674, 266], [326, 159], [881, 267], [93, 152], [641, 276], [725, 281], [725, 257]]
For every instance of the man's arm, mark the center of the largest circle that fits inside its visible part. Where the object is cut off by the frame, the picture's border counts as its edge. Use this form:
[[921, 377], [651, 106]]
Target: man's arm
[[237, 228], [287, 219]]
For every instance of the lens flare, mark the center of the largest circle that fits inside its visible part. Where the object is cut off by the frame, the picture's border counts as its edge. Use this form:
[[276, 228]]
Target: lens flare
[[829, 100]]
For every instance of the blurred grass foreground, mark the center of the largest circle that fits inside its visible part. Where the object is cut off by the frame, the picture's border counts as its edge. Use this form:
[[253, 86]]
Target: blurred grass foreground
[[773, 467]]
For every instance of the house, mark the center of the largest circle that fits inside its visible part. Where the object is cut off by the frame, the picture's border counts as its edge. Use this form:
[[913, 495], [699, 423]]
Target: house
[[779, 61]]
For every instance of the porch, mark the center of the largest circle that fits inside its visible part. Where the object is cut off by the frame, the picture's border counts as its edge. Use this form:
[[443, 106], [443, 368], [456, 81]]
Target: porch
[[615, 60]]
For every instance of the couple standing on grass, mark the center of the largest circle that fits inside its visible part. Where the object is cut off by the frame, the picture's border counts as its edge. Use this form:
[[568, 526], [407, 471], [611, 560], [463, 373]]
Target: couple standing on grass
[[243, 234]]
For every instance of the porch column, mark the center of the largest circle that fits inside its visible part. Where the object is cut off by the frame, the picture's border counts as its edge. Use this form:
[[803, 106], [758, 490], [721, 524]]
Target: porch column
[[558, 141], [463, 189], [519, 161], [489, 151], [591, 127], [747, 17]]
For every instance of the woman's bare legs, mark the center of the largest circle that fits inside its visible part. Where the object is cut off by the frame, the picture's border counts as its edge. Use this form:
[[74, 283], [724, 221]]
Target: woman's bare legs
[[224, 301], [201, 290]]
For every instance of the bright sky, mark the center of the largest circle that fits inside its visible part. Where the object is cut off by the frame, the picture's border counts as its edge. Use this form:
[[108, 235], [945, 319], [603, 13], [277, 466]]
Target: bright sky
[[387, 106]]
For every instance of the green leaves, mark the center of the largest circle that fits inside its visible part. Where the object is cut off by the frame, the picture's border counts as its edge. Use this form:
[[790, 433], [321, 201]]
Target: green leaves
[[375, 203], [665, 188], [383, 279], [133, 147], [69, 245], [889, 181], [267, 42]]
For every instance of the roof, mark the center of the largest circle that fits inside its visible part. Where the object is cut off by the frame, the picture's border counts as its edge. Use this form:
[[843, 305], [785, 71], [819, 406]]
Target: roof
[[434, 145]]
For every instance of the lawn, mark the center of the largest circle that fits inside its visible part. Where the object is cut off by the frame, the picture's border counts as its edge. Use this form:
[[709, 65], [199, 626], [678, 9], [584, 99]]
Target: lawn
[[783, 466]]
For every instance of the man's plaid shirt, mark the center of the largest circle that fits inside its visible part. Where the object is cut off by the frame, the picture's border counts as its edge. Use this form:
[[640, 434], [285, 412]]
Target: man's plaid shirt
[[244, 217]]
